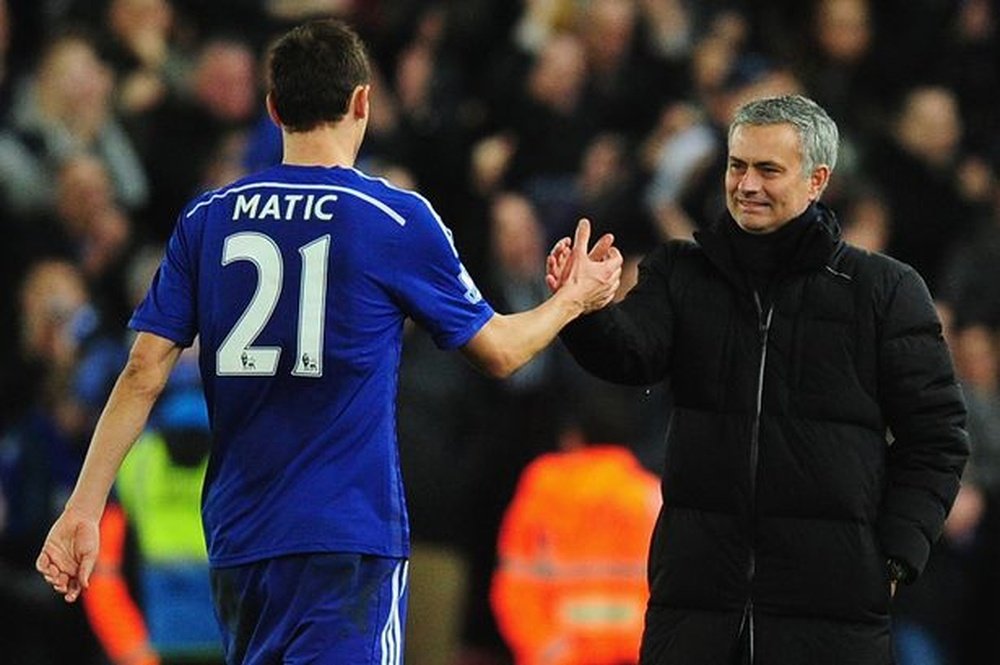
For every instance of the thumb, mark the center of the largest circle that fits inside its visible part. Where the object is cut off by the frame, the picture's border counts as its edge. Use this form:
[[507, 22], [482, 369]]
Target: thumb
[[86, 568], [581, 239], [87, 555]]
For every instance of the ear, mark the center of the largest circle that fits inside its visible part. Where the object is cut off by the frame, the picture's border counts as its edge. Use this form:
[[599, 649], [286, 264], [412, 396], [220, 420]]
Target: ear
[[360, 100], [272, 111], [818, 181]]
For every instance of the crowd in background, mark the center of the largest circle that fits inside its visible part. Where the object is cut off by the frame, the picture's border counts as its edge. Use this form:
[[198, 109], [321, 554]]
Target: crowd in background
[[514, 119]]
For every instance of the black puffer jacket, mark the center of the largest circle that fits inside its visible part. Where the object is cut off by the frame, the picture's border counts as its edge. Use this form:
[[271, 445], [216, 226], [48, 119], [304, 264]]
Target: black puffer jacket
[[783, 497]]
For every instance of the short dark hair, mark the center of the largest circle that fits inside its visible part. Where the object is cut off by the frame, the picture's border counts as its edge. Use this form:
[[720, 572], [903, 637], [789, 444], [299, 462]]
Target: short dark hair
[[312, 72]]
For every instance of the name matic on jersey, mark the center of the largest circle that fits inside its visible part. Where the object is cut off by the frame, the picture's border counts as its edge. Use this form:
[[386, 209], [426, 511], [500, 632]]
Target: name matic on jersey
[[283, 207]]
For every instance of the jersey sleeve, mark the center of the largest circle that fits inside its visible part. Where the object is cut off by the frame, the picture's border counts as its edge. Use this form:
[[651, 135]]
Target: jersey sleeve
[[432, 285], [170, 306]]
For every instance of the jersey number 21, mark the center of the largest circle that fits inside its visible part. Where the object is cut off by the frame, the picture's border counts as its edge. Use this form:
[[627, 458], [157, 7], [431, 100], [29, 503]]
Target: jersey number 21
[[236, 355]]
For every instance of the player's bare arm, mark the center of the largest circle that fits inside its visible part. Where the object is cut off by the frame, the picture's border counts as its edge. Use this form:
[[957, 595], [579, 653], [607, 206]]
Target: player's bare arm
[[588, 282], [70, 550]]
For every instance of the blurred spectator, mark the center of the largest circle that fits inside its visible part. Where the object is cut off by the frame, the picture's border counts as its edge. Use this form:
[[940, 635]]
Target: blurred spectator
[[40, 457], [489, 161], [87, 227], [570, 587], [970, 65], [551, 122], [866, 218], [978, 358], [68, 362], [626, 84], [540, 20], [917, 170], [971, 272], [440, 409], [519, 420], [934, 621], [517, 280], [608, 191], [841, 73], [181, 139], [139, 44], [5, 77], [65, 108], [911, 38], [429, 137], [682, 145], [669, 27], [165, 615]]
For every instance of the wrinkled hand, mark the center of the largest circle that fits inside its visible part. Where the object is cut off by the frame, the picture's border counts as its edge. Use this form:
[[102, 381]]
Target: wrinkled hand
[[594, 276], [69, 555]]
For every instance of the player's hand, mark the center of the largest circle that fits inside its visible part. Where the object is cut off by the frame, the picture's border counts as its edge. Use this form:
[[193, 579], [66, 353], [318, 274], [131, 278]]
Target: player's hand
[[561, 255], [592, 276], [69, 555], [556, 262]]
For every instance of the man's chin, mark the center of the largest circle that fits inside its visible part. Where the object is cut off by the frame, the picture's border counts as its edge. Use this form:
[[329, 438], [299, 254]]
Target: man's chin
[[753, 223]]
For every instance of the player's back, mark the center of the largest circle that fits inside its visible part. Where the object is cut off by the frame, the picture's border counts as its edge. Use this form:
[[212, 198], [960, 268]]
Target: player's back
[[302, 278]]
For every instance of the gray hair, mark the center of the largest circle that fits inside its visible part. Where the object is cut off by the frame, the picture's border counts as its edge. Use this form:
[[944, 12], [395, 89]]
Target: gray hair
[[818, 135]]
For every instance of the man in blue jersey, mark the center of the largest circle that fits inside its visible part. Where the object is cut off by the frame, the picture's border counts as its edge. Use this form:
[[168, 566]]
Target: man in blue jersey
[[297, 281]]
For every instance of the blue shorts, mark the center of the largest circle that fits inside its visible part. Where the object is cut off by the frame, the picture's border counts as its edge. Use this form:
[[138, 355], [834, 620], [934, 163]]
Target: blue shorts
[[312, 609]]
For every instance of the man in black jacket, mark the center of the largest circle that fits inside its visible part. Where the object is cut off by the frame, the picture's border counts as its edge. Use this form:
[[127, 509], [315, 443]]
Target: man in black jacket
[[817, 438]]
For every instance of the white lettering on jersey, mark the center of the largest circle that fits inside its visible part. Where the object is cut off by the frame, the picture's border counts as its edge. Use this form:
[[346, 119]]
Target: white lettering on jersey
[[325, 216], [283, 207], [245, 206], [271, 208]]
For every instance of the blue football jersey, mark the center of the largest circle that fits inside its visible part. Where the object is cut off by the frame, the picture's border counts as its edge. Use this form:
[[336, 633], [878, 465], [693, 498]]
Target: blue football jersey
[[297, 281]]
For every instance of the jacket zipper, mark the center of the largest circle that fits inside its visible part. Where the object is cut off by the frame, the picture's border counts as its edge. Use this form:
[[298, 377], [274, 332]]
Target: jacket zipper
[[763, 330]]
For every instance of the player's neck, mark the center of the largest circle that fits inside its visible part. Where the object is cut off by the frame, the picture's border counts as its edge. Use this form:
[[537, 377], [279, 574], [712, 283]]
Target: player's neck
[[331, 145]]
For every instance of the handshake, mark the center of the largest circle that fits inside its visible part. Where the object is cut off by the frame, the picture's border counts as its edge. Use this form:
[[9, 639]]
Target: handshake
[[590, 279]]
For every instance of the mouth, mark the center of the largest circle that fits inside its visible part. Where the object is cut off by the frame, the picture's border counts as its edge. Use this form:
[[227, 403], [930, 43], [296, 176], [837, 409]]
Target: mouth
[[751, 206]]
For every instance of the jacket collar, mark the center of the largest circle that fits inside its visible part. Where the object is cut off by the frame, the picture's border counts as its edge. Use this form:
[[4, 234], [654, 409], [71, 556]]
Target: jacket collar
[[815, 253]]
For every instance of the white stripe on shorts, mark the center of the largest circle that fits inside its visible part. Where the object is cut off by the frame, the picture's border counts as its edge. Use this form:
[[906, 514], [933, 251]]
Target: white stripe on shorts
[[392, 632]]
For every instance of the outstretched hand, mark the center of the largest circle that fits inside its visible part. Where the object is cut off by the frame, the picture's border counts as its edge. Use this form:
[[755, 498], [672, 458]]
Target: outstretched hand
[[594, 276], [69, 555]]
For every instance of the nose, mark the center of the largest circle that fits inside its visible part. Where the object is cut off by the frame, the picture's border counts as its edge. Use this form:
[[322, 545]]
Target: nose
[[750, 182]]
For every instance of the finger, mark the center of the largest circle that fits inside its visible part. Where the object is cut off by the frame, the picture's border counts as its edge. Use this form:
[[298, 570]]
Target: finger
[[551, 266], [615, 257], [50, 572], [600, 250], [73, 592], [553, 272], [86, 568], [581, 239], [561, 246], [559, 251]]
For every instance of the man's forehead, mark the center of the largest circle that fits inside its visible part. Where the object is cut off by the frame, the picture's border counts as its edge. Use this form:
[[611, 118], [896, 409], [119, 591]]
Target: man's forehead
[[777, 142]]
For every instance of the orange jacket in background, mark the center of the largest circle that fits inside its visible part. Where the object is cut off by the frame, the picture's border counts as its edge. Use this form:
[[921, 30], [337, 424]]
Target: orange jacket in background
[[571, 586], [113, 614]]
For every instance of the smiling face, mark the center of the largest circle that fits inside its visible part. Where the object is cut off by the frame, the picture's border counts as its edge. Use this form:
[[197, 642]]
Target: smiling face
[[765, 185]]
